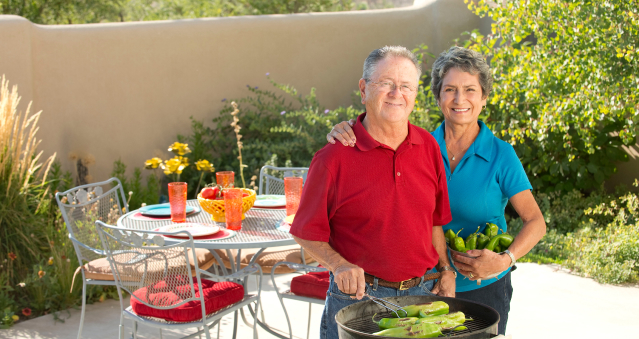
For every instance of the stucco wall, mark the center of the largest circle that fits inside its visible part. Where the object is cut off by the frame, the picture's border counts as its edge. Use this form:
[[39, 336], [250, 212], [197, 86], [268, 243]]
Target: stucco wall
[[124, 90]]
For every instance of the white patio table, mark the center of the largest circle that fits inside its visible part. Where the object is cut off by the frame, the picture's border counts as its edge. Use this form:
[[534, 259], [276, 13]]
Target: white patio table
[[259, 230]]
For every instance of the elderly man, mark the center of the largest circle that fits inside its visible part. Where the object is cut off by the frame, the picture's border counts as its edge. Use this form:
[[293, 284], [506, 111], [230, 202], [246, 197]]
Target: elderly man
[[372, 213]]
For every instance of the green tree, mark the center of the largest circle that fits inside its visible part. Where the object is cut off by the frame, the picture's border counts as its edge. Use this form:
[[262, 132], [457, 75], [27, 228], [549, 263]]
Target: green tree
[[92, 11], [566, 87]]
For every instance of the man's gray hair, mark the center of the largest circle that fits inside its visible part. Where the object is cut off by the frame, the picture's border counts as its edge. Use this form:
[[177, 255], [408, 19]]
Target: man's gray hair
[[370, 64], [464, 60]]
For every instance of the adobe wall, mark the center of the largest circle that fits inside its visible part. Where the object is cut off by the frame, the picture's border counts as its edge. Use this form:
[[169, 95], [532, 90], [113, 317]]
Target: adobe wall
[[125, 90]]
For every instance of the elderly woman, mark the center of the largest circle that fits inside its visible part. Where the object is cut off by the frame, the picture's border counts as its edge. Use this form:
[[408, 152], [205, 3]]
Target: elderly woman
[[483, 174]]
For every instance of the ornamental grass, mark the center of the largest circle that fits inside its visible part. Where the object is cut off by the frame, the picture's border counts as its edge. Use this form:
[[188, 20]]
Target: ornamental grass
[[23, 188]]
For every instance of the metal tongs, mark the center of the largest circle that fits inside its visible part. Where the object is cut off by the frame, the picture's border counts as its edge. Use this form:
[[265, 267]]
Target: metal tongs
[[381, 302]]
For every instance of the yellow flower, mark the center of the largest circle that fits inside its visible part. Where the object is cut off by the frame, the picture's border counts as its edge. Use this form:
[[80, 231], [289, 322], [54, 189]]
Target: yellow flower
[[204, 165], [152, 163], [50, 262], [179, 148], [41, 274], [15, 317], [175, 165]]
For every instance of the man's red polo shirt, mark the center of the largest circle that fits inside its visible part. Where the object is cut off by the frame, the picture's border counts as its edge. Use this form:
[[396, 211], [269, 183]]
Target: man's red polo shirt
[[376, 206]]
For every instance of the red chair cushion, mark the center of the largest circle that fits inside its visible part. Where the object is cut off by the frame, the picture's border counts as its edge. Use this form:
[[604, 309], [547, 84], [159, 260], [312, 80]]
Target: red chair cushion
[[313, 285], [217, 295]]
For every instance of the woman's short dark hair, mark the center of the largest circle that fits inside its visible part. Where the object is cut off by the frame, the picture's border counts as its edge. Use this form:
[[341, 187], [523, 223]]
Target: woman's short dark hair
[[465, 60]]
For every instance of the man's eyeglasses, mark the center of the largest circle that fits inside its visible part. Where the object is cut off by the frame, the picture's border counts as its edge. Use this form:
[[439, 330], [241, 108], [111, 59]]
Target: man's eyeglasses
[[388, 86]]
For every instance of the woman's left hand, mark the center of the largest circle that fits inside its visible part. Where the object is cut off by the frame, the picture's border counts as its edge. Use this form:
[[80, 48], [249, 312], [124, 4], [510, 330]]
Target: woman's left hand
[[486, 263]]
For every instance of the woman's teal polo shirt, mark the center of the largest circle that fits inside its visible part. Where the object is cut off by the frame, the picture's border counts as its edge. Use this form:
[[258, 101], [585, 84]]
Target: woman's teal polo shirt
[[487, 176]]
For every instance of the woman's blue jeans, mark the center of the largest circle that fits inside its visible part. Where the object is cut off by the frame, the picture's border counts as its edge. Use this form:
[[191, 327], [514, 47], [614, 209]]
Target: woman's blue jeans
[[496, 295], [336, 300]]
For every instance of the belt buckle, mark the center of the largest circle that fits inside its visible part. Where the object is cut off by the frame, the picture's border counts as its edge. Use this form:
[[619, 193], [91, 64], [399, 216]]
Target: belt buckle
[[401, 285]]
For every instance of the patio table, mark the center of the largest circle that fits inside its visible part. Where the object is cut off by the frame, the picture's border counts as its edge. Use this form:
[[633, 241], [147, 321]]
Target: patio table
[[259, 230]]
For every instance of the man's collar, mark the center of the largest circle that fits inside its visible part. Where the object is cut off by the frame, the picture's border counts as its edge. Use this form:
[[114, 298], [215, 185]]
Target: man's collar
[[365, 141], [482, 146]]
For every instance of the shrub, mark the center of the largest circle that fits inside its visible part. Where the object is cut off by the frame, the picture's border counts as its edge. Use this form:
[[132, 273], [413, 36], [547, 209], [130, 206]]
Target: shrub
[[80, 12], [601, 242], [566, 93]]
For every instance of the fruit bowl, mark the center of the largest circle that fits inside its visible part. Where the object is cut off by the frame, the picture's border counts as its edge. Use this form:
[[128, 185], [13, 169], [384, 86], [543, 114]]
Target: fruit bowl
[[216, 207]]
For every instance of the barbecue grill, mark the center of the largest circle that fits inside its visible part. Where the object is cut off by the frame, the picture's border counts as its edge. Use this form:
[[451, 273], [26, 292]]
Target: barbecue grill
[[355, 321]]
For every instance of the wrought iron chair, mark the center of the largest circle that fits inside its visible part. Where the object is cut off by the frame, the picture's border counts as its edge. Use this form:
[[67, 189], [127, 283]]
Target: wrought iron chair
[[81, 207], [272, 178], [310, 287], [168, 288]]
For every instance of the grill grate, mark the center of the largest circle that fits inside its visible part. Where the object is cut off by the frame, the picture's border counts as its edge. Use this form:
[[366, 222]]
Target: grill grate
[[366, 325]]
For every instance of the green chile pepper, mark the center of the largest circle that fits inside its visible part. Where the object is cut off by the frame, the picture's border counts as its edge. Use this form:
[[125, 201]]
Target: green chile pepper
[[458, 317], [386, 323], [471, 242], [482, 241], [458, 244], [433, 308], [497, 249], [450, 236], [450, 325], [424, 330], [491, 229], [508, 239]]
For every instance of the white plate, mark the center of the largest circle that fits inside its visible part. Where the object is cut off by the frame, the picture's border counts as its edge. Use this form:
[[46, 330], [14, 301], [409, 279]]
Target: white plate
[[271, 200], [196, 230]]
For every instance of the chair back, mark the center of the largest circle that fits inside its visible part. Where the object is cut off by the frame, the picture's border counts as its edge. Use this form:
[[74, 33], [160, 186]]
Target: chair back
[[141, 260], [272, 178], [82, 206]]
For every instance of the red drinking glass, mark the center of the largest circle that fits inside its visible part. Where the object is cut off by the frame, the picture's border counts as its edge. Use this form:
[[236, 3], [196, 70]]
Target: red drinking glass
[[233, 208], [293, 192], [177, 201], [226, 179]]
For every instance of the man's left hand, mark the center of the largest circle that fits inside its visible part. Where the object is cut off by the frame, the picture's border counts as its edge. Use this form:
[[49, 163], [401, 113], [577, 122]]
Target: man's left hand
[[445, 286]]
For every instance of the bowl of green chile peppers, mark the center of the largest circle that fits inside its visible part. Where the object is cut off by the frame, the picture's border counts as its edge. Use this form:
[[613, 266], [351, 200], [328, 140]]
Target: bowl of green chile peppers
[[490, 239], [422, 321]]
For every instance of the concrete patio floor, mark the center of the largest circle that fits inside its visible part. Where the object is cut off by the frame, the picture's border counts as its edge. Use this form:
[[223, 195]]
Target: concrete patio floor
[[547, 303]]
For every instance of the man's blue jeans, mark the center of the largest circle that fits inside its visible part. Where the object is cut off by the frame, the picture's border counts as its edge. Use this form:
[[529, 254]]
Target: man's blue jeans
[[336, 300]]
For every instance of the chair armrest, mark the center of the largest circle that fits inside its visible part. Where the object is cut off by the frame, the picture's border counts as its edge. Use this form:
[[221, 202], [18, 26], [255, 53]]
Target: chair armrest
[[94, 250]]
